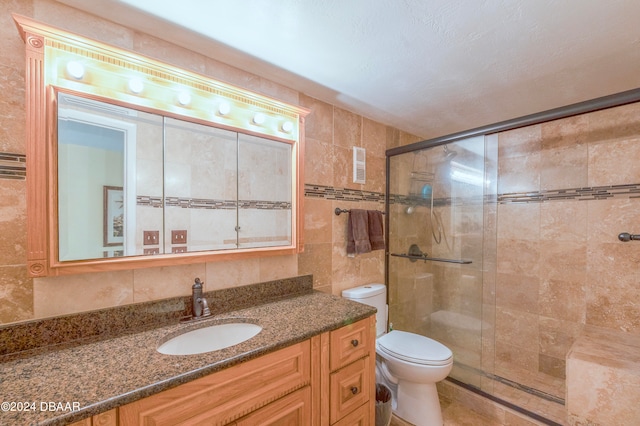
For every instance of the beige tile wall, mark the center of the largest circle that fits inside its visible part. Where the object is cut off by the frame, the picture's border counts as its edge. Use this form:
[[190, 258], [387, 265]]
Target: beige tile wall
[[331, 133]]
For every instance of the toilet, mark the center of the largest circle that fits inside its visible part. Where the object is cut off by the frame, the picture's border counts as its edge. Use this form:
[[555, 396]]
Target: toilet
[[407, 363]]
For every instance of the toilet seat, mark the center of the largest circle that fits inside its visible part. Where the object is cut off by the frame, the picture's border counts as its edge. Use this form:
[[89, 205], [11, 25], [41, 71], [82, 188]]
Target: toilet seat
[[414, 348]]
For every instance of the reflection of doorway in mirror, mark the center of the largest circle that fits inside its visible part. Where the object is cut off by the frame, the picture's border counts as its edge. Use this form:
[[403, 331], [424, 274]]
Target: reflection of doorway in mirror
[[96, 180]]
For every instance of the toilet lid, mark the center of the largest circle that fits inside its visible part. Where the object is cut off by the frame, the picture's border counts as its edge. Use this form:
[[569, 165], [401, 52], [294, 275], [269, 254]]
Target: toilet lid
[[414, 348]]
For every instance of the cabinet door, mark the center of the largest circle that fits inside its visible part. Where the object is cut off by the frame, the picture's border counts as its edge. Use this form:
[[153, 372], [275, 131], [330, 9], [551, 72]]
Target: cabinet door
[[293, 409]]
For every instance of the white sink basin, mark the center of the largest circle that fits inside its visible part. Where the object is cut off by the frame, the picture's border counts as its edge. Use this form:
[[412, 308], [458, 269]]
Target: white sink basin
[[208, 339]]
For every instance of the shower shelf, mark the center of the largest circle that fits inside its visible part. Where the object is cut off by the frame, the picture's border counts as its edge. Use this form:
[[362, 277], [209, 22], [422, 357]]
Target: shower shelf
[[413, 258]]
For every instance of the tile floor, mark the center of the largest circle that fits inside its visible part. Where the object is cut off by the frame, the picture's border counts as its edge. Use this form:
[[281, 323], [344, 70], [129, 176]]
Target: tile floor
[[461, 407], [456, 414]]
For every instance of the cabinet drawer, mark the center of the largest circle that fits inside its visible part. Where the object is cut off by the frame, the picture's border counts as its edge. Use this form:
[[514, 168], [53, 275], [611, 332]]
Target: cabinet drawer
[[350, 343], [293, 409], [359, 417], [226, 395], [349, 388]]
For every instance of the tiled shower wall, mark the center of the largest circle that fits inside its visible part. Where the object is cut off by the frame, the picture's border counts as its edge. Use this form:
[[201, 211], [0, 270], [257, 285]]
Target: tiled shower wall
[[566, 189]]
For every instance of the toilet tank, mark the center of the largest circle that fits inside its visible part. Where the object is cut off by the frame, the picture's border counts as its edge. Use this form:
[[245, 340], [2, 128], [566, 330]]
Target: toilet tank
[[373, 295]]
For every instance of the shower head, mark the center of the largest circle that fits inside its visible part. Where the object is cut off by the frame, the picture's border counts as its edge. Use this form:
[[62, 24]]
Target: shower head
[[448, 153]]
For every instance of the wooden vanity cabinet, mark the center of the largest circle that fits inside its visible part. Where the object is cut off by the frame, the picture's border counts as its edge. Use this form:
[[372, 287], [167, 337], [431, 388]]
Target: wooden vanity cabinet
[[351, 372], [326, 380], [224, 397]]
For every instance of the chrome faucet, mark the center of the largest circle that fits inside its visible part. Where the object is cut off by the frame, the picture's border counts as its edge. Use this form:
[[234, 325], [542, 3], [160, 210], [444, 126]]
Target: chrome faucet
[[200, 306]]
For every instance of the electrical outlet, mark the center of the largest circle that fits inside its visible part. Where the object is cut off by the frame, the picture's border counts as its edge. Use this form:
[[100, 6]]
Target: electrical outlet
[[150, 238], [179, 236]]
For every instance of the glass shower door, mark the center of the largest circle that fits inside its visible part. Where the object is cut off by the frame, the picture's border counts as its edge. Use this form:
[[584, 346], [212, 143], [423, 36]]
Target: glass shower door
[[436, 262]]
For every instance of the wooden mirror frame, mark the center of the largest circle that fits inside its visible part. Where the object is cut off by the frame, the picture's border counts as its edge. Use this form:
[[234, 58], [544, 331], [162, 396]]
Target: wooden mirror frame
[[44, 48]]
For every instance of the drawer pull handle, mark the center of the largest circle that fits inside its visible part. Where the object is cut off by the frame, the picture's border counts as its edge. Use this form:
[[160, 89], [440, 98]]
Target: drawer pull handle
[[355, 343], [354, 390]]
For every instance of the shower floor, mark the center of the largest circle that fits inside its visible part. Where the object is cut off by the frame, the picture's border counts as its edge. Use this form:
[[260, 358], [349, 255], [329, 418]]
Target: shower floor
[[541, 400]]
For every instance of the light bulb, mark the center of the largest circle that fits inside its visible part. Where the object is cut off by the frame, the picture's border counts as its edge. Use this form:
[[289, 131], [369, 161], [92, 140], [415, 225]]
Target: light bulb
[[259, 118], [184, 98], [287, 127], [136, 85], [75, 69], [224, 108]]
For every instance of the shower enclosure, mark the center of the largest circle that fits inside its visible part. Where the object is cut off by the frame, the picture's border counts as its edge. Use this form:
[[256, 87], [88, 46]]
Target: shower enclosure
[[441, 254], [489, 232], [442, 266]]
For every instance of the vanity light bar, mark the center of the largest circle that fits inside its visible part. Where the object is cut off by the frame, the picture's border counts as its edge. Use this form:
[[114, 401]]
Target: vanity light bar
[[143, 87]]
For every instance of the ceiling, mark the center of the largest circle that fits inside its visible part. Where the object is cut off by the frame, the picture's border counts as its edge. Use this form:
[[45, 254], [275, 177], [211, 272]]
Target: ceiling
[[428, 67]]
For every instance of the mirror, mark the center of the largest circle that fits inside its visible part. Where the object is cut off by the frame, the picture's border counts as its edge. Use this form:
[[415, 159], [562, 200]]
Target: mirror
[[135, 163], [107, 156], [133, 183]]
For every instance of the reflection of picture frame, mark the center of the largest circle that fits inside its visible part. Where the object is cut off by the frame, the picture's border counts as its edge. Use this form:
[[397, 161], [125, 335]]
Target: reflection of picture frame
[[113, 253], [113, 216]]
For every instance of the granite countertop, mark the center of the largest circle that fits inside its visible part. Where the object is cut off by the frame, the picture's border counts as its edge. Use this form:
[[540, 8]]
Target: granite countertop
[[100, 375]]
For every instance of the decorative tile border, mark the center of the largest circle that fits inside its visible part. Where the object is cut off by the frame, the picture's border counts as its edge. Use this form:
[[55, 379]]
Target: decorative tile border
[[200, 203], [203, 203], [571, 194], [343, 194], [576, 194], [13, 166], [144, 200]]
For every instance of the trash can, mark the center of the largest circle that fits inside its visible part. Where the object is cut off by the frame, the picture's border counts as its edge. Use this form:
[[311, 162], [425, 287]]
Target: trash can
[[383, 405]]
